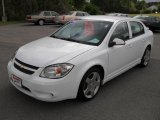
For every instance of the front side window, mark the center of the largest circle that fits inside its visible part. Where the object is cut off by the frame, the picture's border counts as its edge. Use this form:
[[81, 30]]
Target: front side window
[[84, 31], [137, 28], [54, 13], [121, 32]]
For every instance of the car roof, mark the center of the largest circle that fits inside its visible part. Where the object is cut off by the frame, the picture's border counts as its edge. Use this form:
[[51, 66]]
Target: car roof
[[79, 11], [107, 18], [48, 11]]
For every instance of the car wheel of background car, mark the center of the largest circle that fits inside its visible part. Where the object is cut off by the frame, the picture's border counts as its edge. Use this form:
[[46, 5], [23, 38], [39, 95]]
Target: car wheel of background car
[[146, 57], [41, 22], [90, 84]]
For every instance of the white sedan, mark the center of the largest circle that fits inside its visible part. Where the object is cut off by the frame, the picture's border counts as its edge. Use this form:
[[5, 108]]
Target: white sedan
[[80, 57]]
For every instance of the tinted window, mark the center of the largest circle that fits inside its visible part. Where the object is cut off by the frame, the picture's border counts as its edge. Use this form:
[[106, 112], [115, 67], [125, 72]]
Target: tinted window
[[86, 32], [121, 32], [137, 28], [79, 14], [155, 19], [47, 14]]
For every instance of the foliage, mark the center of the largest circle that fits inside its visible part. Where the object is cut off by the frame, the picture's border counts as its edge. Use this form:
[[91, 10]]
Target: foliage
[[140, 5], [91, 8], [146, 11], [18, 9], [159, 7]]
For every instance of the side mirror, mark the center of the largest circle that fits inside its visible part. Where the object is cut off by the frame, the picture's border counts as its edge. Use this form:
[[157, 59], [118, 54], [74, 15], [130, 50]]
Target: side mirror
[[117, 41]]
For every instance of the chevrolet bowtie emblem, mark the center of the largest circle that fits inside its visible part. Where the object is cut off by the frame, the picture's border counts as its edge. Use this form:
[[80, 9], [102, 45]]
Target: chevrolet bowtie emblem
[[22, 66]]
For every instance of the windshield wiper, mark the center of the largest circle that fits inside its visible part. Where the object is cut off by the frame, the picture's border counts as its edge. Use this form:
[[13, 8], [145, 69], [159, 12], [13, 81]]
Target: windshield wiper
[[55, 36], [72, 40], [67, 39]]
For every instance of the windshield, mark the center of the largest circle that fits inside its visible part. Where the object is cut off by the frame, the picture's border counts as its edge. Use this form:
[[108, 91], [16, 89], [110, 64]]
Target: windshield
[[70, 13], [86, 32], [140, 17]]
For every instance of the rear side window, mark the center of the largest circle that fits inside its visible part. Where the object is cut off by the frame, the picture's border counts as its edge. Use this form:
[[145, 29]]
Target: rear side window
[[137, 28], [121, 32], [79, 14], [47, 14]]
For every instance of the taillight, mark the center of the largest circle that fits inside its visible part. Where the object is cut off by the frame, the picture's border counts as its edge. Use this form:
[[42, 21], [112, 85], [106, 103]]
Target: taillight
[[63, 18], [29, 17]]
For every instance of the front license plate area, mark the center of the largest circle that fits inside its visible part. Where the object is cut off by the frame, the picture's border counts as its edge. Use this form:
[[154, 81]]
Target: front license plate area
[[16, 80]]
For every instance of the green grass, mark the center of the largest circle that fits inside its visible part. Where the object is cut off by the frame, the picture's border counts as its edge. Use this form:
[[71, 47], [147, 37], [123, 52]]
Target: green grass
[[9, 22], [153, 14]]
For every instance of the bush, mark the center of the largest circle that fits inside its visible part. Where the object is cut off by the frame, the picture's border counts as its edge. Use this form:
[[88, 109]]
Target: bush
[[146, 11], [91, 9]]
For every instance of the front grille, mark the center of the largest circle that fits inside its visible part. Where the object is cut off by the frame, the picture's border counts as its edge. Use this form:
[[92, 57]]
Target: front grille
[[27, 65], [25, 68]]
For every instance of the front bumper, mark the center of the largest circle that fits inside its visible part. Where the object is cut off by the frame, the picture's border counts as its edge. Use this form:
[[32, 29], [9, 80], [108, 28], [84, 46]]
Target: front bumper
[[46, 89]]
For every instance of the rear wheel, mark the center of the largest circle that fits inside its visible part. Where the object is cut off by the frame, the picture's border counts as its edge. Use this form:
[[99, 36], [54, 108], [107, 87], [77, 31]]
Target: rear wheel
[[90, 84], [41, 22], [146, 57]]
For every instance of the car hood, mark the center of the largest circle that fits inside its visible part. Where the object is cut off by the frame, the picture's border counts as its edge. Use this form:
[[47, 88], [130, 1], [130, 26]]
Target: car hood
[[47, 51]]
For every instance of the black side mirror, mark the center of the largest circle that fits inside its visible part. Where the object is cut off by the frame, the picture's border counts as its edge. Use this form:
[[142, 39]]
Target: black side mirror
[[117, 41], [111, 44]]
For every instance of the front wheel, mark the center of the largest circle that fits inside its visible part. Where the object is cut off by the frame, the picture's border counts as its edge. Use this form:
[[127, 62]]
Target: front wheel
[[90, 84], [146, 57]]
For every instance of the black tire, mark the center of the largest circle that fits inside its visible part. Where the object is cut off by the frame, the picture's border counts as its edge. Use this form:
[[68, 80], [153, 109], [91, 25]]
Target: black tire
[[41, 22], [84, 86], [146, 58]]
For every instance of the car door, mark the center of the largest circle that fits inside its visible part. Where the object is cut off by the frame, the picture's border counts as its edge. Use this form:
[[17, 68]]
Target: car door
[[53, 14], [123, 57], [137, 42], [47, 16], [118, 54]]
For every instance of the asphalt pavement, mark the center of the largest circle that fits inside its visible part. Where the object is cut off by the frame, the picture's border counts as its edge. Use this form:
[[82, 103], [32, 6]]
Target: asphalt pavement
[[134, 95]]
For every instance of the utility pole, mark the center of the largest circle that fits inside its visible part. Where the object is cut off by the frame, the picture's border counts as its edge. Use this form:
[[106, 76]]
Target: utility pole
[[4, 18]]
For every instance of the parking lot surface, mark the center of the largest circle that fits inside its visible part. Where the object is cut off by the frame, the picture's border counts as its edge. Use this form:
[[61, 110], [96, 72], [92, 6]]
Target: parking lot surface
[[134, 95]]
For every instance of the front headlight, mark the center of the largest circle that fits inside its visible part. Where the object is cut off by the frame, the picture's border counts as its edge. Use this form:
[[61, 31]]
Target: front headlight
[[56, 71]]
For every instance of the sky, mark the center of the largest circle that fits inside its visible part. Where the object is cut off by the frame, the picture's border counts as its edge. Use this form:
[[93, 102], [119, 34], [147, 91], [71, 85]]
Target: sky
[[152, 0]]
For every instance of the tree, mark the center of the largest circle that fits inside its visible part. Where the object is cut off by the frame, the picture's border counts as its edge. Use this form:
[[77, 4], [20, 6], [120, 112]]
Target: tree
[[140, 5], [159, 7]]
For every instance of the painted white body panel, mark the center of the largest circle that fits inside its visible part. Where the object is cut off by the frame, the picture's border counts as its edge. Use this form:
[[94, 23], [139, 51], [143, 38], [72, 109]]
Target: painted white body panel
[[47, 51]]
